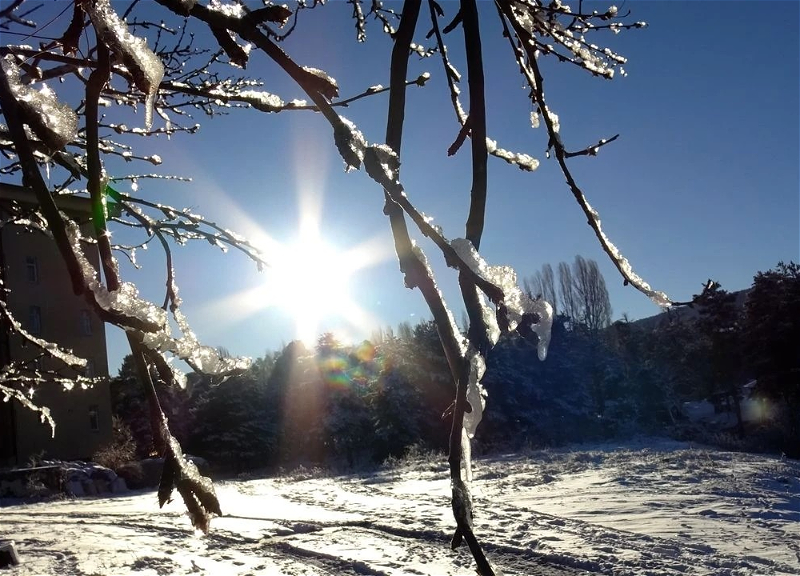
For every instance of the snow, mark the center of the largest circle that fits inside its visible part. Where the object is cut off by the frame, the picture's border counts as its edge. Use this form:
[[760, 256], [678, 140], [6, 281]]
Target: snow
[[641, 507], [263, 101], [523, 161], [57, 123], [231, 10]]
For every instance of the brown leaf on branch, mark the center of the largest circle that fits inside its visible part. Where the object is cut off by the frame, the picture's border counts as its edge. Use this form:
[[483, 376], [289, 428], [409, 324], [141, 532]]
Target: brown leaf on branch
[[277, 14], [196, 490], [167, 481], [226, 41], [72, 35], [319, 81]]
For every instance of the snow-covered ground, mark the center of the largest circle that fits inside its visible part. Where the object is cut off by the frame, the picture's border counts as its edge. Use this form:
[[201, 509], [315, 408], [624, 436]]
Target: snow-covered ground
[[647, 507]]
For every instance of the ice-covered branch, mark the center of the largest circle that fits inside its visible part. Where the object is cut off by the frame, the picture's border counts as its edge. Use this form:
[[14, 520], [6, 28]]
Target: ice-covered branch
[[8, 393], [520, 160], [536, 80], [184, 225], [50, 348], [592, 150]]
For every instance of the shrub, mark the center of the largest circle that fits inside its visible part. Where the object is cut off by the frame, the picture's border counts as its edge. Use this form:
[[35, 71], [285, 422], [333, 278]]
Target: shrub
[[121, 449]]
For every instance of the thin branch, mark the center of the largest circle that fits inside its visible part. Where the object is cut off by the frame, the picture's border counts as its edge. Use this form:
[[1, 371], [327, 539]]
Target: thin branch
[[477, 116], [534, 76], [592, 150]]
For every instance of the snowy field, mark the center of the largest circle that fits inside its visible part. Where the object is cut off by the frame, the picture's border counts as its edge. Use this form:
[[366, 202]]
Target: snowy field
[[649, 507]]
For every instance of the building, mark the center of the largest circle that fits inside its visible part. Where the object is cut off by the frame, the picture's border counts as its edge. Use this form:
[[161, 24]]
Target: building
[[39, 295]]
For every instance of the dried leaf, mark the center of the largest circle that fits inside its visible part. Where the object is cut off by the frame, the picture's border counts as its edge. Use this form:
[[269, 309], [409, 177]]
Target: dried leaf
[[201, 519], [319, 81], [72, 36], [458, 537], [196, 490], [277, 14], [167, 480], [236, 53]]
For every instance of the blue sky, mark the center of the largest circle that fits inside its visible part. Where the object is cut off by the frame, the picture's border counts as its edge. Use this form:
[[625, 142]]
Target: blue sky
[[702, 183]]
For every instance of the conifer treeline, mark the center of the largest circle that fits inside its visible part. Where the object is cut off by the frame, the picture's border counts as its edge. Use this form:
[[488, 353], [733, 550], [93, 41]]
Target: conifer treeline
[[338, 404]]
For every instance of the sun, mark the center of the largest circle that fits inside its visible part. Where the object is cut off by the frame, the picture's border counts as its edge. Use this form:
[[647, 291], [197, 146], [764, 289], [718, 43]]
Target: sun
[[306, 277], [309, 279]]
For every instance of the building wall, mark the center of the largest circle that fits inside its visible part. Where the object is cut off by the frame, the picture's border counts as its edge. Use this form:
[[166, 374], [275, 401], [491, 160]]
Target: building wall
[[83, 417]]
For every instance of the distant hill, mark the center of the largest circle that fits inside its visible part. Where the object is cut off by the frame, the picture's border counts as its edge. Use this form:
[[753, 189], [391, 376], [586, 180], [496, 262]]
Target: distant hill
[[682, 313]]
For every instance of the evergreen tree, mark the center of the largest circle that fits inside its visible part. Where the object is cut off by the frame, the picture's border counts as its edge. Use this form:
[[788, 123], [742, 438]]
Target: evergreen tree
[[235, 423], [129, 403], [772, 343], [720, 324]]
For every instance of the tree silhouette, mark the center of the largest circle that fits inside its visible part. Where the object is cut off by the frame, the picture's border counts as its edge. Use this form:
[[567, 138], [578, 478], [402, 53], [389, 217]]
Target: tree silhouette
[[771, 342], [720, 324]]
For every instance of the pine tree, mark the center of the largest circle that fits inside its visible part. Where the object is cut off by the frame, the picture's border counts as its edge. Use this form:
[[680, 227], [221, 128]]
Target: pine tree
[[772, 343]]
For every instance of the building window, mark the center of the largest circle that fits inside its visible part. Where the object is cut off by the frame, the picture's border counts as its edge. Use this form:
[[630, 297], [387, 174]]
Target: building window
[[32, 269], [86, 323], [35, 320], [94, 417]]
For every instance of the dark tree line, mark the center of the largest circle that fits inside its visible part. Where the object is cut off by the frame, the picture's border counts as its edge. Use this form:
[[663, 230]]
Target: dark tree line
[[353, 405], [330, 404]]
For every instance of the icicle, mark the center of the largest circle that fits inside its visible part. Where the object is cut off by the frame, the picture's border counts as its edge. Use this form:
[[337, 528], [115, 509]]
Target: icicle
[[145, 67]]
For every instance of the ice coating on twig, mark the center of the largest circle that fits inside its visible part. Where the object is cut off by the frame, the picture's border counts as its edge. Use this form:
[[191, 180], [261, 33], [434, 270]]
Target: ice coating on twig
[[591, 57], [43, 411], [232, 10], [523, 161], [516, 303], [476, 394], [145, 67], [489, 318], [466, 459], [459, 338], [126, 301], [52, 121], [658, 297], [204, 359], [51, 348], [263, 101]]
